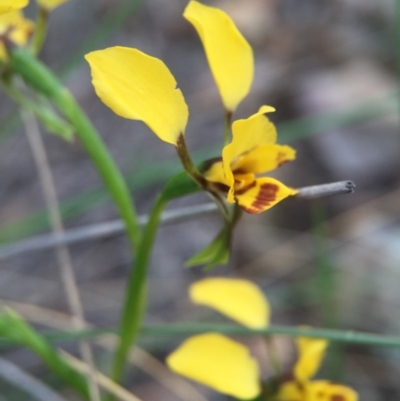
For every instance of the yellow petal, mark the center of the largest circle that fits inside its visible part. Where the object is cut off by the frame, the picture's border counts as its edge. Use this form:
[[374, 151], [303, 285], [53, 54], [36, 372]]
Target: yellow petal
[[290, 391], [50, 5], [218, 362], [139, 87], [18, 29], [215, 172], [262, 194], [311, 352], [238, 299], [7, 6], [323, 390], [229, 55], [248, 134], [264, 158]]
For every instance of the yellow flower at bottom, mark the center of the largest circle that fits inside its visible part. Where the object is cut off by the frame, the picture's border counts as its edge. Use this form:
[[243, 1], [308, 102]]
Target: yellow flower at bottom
[[7, 6], [253, 151], [238, 299], [301, 388], [18, 29], [218, 362]]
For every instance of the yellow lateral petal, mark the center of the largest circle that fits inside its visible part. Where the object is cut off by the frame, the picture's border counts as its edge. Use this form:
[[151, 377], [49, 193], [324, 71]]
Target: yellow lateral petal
[[50, 5], [218, 362], [311, 352], [248, 134], [7, 6], [239, 299], [323, 390], [139, 87], [262, 194], [263, 159], [229, 55]]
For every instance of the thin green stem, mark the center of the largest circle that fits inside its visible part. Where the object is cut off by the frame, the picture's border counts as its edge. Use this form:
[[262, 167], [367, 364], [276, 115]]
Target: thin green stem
[[40, 78], [272, 356], [342, 336], [136, 290], [185, 329], [227, 127], [40, 31]]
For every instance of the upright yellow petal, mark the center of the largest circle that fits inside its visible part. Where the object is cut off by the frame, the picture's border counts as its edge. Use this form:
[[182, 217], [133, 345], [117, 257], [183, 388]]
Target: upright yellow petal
[[7, 6], [229, 55], [139, 87], [262, 194], [50, 5], [323, 390], [218, 362], [239, 299], [311, 352], [248, 134]]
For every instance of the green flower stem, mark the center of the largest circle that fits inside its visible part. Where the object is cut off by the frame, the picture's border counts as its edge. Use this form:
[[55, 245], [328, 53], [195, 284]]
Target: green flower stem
[[40, 31], [272, 356], [40, 78], [186, 329], [227, 127], [136, 290], [342, 336], [195, 174]]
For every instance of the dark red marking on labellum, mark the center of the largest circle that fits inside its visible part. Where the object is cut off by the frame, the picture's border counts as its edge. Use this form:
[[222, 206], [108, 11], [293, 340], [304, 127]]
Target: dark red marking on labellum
[[337, 397], [265, 197]]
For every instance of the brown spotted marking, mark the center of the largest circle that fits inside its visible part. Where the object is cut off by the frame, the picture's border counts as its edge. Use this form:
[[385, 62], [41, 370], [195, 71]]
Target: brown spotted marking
[[265, 197], [337, 397]]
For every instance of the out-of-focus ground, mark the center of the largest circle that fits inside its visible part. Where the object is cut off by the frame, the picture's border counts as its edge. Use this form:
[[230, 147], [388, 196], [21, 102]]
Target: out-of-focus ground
[[312, 57]]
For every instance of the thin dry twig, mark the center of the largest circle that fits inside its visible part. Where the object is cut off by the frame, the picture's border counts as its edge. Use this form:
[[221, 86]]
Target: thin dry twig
[[62, 253], [103, 230], [27, 383], [178, 386]]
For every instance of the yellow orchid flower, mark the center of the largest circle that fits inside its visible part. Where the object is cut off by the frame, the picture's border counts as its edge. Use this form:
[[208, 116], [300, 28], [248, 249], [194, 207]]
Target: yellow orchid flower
[[7, 6], [301, 388], [216, 360], [50, 5], [18, 29], [229, 55], [140, 87], [253, 150]]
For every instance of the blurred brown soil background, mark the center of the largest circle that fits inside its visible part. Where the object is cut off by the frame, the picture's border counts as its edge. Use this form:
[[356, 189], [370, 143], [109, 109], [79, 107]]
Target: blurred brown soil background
[[312, 57]]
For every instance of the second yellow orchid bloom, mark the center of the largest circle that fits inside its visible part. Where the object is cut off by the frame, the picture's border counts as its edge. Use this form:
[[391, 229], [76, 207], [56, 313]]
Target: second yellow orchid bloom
[[214, 359], [301, 387]]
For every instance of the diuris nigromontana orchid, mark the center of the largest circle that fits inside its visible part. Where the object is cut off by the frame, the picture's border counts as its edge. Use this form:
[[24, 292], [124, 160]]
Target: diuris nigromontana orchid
[[49, 5], [227, 366], [140, 87], [301, 387], [213, 359]]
